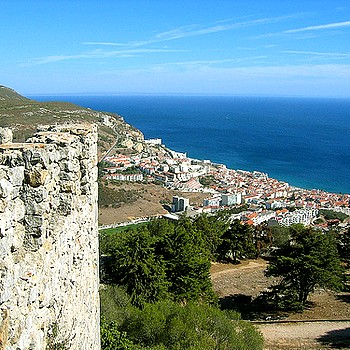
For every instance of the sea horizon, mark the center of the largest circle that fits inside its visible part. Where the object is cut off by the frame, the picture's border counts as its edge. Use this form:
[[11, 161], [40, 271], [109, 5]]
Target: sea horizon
[[299, 140]]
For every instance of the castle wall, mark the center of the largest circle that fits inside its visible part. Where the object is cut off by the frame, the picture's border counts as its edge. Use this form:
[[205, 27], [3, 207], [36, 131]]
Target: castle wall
[[49, 240]]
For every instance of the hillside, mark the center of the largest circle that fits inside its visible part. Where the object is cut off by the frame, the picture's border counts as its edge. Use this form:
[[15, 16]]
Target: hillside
[[23, 115], [11, 95]]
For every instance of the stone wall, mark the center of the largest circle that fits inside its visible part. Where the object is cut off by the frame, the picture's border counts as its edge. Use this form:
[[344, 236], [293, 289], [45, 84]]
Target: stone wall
[[49, 240]]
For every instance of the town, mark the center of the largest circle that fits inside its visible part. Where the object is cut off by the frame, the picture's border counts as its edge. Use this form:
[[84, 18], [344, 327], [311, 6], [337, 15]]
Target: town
[[262, 199]]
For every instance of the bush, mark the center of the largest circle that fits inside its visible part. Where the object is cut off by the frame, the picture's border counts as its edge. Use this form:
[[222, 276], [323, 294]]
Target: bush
[[113, 339], [194, 326], [115, 303]]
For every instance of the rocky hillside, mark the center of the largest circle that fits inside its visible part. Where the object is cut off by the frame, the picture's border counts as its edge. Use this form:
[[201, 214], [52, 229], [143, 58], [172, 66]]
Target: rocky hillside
[[23, 115]]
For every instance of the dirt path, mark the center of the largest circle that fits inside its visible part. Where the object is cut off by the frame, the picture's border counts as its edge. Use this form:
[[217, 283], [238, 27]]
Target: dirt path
[[306, 335]]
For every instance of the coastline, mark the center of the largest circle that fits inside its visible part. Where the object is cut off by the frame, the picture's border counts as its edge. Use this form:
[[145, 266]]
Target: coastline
[[266, 198], [291, 139]]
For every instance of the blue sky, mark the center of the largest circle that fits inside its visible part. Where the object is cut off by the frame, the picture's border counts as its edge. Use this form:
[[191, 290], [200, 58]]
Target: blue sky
[[297, 48]]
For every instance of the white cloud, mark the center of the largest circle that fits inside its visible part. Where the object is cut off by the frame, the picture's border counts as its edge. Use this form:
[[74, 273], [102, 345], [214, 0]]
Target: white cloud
[[99, 54], [319, 27], [103, 43], [195, 30], [308, 32], [204, 64], [335, 55]]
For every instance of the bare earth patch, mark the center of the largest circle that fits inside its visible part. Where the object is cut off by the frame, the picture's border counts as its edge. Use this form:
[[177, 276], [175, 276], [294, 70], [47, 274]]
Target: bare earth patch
[[149, 203], [248, 279]]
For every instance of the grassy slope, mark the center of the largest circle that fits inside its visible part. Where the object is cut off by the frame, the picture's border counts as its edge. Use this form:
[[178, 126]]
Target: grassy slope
[[23, 115]]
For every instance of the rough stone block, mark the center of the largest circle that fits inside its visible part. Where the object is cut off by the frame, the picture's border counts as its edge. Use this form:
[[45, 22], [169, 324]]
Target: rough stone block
[[35, 177], [6, 188], [16, 175], [6, 135]]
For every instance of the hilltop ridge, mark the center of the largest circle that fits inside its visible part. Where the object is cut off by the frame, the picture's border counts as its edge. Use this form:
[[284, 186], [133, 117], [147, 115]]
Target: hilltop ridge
[[10, 95], [23, 115]]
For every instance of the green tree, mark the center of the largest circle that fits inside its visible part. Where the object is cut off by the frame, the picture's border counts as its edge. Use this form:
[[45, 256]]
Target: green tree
[[263, 238], [187, 259], [343, 240], [308, 260], [188, 264], [237, 243], [211, 229], [136, 266], [161, 260], [280, 235]]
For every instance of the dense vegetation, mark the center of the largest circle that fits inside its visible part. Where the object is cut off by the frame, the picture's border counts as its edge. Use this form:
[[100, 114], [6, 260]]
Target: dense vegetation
[[170, 325], [159, 261], [333, 215], [158, 292], [168, 302]]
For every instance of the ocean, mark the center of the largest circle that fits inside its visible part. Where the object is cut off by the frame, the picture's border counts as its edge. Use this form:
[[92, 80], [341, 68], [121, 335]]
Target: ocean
[[303, 141]]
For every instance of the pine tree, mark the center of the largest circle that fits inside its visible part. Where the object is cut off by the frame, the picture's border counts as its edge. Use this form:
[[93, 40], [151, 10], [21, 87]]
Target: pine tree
[[308, 260], [138, 268], [237, 243]]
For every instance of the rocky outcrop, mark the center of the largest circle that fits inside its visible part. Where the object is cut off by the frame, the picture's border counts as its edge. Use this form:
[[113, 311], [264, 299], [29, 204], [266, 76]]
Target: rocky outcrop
[[49, 240]]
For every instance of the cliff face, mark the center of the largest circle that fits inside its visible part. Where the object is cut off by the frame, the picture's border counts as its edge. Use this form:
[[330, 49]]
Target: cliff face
[[49, 240]]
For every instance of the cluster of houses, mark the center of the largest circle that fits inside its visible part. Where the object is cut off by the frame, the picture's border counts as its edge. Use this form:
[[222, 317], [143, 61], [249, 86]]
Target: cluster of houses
[[267, 198]]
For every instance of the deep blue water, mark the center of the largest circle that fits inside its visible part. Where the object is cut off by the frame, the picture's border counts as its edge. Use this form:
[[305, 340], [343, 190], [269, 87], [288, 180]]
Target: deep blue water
[[305, 142]]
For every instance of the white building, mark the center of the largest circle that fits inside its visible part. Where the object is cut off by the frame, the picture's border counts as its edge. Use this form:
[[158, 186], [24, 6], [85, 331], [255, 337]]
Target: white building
[[214, 201], [231, 199], [180, 204], [300, 216], [263, 217], [154, 142], [124, 177]]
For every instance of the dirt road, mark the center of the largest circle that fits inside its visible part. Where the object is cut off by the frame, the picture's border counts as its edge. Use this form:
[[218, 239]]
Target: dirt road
[[306, 335]]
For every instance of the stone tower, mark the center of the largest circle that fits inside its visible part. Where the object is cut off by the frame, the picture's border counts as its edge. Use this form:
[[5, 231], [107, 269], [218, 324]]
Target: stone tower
[[49, 240]]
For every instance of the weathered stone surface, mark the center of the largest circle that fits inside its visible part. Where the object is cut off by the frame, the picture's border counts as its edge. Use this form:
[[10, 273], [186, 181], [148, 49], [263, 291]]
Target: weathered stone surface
[[35, 177], [18, 236], [17, 209], [38, 194], [6, 188], [16, 175], [2, 205], [4, 328], [5, 135], [49, 239], [3, 173], [34, 220]]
